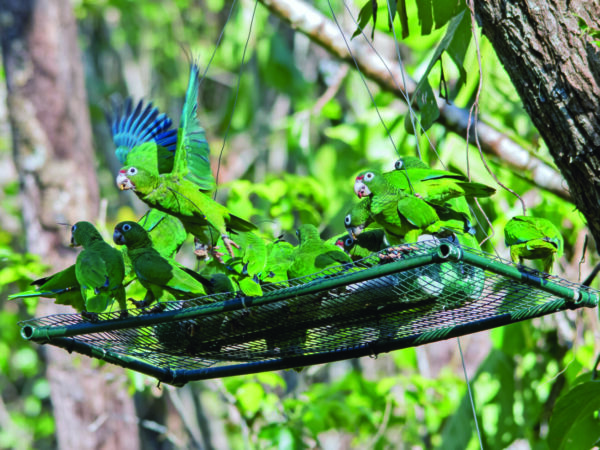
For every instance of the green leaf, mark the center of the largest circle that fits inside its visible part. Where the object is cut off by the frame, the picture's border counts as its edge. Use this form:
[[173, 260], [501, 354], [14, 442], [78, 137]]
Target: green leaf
[[401, 7], [457, 48], [368, 10], [423, 92], [250, 396], [427, 104], [445, 10], [425, 13], [575, 423]]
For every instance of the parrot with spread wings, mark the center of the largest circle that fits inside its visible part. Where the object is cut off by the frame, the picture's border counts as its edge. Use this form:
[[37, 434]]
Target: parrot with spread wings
[[184, 192]]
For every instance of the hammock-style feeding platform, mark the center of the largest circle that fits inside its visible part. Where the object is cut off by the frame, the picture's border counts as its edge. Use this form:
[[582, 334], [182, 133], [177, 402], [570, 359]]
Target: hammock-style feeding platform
[[400, 297]]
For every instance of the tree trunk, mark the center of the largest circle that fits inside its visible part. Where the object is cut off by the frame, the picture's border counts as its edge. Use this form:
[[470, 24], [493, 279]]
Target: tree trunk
[[555, 67], [54, 156]]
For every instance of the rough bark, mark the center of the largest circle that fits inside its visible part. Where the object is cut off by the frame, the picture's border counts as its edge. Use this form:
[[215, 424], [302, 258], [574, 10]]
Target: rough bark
[[555, 68], [324, 32], [53, 154]]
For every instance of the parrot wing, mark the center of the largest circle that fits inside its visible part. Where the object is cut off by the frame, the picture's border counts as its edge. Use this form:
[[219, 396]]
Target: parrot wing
[[192, 154], [133, 127]]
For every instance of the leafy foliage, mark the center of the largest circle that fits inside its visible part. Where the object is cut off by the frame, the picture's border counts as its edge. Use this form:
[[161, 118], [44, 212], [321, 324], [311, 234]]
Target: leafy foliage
[[299, 133]]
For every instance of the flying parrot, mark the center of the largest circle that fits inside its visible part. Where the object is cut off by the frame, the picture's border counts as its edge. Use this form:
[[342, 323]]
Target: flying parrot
[[184, 192], [99, 269], [164, 279], [533, 238]]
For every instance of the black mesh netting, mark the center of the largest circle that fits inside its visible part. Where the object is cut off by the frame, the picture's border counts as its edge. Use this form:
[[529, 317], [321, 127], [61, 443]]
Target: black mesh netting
[[403, 296]]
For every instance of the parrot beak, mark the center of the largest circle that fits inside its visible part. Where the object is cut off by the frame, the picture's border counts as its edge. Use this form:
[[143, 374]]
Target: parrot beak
[[123, 182], [118, 238], [355, 231], [360, 189], [73, 243]]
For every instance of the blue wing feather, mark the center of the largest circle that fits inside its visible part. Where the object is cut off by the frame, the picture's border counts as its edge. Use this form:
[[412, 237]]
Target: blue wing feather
[[131, 127]]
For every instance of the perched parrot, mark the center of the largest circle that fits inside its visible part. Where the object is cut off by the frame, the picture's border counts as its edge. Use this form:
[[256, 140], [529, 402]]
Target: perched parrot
[[62, 286], [248, 263], [403, 216], [184, 191], [533, 238], [164, 279], [365, 244], [358, 217], [280, 257], [99, 269], [313, 255]]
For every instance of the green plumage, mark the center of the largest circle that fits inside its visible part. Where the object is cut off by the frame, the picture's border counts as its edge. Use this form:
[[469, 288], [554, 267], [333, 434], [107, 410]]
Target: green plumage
[[184, 192], [533, 238], [313, 255], [403, 216], [99, 269], [62, 286], [164, 279], [365, 244]]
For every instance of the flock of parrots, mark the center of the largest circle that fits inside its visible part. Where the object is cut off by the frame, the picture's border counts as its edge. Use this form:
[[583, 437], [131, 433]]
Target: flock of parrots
[[169, 170]]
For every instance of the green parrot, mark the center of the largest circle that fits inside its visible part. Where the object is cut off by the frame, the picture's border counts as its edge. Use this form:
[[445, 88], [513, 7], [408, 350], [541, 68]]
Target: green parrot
[[313, 255], [62, 286], [164, 279], [280, 257], [99, 269], [184, 192], [365, 244], [533, 238], [358, 217], [403, 216]]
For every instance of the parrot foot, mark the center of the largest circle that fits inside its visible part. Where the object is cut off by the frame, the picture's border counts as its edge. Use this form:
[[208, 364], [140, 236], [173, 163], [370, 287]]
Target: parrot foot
[[124, 314], [395, 253], [92, 317], [159, 307], [228, 242], [139, 303], [201, 250], [217, 255]]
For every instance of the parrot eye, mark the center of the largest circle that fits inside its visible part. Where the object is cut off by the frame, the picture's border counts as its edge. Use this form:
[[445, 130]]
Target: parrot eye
[[349, 242], [298, 233], [369, 176], [126, 227], [398, 164], [132, 171], [73, 228], [348, 219]]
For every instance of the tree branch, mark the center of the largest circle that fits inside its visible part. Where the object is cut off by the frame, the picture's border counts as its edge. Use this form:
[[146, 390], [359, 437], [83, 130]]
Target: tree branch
[[321, 30]]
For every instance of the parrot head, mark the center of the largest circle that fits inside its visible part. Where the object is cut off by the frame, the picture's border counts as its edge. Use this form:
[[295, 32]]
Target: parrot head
[[137, 179], [363, 182], [131, 234], [409, 162], [345, 243], [306, 232], [82, 233]]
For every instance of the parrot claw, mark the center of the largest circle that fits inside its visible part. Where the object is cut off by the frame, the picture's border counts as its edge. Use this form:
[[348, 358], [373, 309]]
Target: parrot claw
[[92, 317], [395, 253], [200, 249], [138, 303], [217, 255], [159, 307], [124, 314], [228, 242]]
